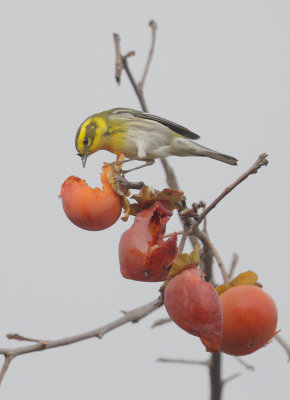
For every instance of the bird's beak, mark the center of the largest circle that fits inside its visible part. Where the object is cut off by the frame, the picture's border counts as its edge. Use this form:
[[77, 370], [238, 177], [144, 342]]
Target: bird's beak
[[84, 159]]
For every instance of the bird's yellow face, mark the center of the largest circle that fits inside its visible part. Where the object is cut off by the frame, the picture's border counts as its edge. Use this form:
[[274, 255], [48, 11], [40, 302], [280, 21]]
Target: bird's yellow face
[[89, 137]]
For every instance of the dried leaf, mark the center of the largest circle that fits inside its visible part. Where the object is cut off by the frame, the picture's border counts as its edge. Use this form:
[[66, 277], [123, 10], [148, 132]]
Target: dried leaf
[[222, 288], [178, 264], [148, 194], [245, 278], [135, 209], [181, 261], [126, 207]]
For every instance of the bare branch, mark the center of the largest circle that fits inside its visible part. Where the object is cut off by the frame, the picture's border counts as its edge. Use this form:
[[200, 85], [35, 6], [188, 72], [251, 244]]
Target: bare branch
[[215, 376], [130, 316], [16, 336], [170, 175], [129, 54], [119, 61], [186, 229], [234, 264], [284, 344], [153, 26], [5, 366], [261, 161], [170, 234], [161, 321], [182, 361], [245, 364], [138, 92], [205, 239], [128, 185], [231, 377]]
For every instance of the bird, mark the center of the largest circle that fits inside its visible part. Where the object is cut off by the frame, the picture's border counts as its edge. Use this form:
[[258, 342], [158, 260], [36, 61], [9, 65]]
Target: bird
[[139, 136]]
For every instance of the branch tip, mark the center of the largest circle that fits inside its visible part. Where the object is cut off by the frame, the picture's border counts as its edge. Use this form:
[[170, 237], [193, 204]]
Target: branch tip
[[231, 377], [153, 24]]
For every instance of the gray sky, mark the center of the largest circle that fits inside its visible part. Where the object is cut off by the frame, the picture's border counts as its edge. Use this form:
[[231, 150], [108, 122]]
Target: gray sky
[[221, 69]]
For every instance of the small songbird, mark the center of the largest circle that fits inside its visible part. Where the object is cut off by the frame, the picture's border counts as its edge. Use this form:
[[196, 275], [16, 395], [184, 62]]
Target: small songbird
[[139, 136]]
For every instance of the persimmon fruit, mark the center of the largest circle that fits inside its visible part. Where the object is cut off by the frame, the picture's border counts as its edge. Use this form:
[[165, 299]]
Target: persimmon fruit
[[194, 305], [143, 254], [249, 319], [88, 208]]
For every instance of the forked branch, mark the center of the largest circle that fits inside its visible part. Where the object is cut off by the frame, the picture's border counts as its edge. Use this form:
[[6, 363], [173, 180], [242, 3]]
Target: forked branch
[[130, 316]]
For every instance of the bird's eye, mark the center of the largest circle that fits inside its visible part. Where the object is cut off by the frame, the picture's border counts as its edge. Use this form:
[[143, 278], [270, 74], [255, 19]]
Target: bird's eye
[[85, 141]]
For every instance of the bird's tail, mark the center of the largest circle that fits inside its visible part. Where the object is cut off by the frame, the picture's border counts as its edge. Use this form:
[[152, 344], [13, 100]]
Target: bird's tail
[[218, 156], [183, 147]]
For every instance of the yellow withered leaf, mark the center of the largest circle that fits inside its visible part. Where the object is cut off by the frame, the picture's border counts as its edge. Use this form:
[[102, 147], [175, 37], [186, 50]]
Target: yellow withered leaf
[[245, 278], [179, 262], [222, 288], [182, 260]]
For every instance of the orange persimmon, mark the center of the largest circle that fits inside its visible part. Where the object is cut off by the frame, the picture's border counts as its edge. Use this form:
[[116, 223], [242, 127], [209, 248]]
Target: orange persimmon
[[249, 319], [143, 254], [193, 304], [88, 208]]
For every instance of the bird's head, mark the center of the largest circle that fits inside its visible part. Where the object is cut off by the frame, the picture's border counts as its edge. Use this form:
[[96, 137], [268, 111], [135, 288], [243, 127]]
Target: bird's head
[[89, 137]]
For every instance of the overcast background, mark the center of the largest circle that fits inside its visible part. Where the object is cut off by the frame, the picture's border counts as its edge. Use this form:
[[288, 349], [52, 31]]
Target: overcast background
[[221, 69]]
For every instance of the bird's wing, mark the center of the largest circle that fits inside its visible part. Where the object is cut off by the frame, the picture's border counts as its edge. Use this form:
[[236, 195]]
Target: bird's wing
[[128, 113]]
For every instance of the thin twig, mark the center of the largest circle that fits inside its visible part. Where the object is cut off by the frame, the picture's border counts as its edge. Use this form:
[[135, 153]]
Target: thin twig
[[161, 321], [204, 228], [284, 344], [245, 364], [130, 316], [186, 229], [170, 175], [127, 184], [234, 264], [206, 262], [170, 234], [205, 239], [16, 336], [153, 26], [261, 161], [119, 61], [231, 377], [138, 92], [5, 366], [182, 361]]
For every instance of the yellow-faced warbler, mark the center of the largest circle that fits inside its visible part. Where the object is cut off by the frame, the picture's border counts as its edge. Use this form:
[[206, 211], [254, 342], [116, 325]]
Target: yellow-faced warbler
[[139, 136]]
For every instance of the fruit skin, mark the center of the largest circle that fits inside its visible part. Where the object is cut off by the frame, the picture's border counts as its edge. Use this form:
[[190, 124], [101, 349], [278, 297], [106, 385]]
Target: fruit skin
[[193, 304], [143, 254], [249, 319], [90, 209]]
